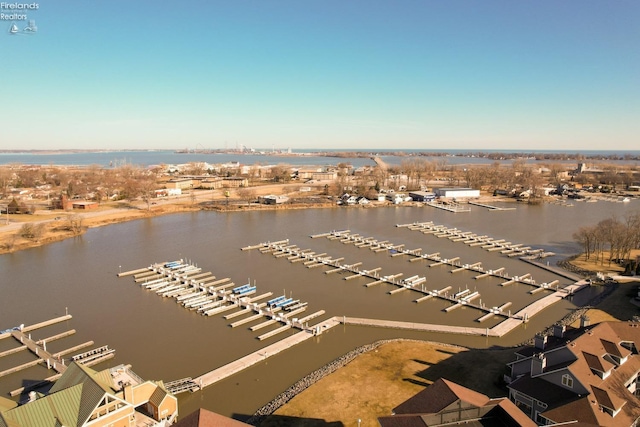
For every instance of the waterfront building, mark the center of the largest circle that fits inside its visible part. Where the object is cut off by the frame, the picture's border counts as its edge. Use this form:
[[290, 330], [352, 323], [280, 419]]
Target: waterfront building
[[587, 375], [447, 403], [457, 193], [83, 397], [272, 199], [422, 196], [205, 418]]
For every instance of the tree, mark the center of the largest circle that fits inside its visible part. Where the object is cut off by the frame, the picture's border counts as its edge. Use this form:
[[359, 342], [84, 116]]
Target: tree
[[246, 193], [32, 231], [147, 188], [74, 224]]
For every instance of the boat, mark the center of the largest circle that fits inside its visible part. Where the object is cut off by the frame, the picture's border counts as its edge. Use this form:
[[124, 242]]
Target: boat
[[13, 29], [276, 300]]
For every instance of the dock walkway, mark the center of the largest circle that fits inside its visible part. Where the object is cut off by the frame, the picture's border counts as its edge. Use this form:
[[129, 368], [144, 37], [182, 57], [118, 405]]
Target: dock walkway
[[236, 366]]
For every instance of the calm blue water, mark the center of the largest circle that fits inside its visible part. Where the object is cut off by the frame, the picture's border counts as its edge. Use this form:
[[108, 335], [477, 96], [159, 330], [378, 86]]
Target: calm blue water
[[149, 158]]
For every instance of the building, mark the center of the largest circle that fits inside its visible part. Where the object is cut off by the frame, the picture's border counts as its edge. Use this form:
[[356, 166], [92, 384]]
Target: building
[[205, 418], [83, 397], [397, 198], [84, 205], [182, 183], [447, 403], [422, 196], [457, 193], [587, 375], [324, 176], [214, 183], [272, 199]]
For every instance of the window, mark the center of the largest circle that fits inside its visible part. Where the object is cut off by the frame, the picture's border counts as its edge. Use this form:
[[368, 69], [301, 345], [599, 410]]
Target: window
[[567, 380]]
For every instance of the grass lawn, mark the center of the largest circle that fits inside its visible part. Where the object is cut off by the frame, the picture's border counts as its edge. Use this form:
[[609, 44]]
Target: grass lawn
[[376, 382]]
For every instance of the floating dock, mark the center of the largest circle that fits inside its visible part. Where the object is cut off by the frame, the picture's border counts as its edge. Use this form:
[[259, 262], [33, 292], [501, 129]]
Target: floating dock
[[53, 361], [471, 239]]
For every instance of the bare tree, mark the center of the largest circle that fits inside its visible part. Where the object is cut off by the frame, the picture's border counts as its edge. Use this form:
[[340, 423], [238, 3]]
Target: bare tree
[[32, 231], [75, 223], [246, 193]]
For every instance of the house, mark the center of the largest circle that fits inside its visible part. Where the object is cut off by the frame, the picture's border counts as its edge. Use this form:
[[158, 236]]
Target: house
[[587, 375], [84, 397], [206, 418], [397, 198], [447, 403], [348, 199]]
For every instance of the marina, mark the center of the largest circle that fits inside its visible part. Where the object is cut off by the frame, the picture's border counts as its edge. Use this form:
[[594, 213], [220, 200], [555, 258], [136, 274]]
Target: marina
[[174, 280], [462, 298], [485, 242], [92, 292], [416, 255]]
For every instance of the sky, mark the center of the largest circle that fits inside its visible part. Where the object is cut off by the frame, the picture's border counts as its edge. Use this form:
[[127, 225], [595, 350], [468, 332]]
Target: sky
[[334, 74]]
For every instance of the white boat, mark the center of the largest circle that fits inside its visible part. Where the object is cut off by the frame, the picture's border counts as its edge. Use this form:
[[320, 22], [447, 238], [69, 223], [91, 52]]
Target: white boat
[[13, 29]]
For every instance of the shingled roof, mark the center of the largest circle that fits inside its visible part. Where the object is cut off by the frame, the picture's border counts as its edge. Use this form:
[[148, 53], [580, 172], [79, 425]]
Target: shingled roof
[[604, 359], [206, 418], [446, 400]]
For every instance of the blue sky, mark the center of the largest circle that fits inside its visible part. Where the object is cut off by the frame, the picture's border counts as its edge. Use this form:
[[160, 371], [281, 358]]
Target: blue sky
[[416, 74]]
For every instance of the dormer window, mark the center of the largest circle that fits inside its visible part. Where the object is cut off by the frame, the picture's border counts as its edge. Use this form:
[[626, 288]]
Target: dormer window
[[630, 345], [567, 380]]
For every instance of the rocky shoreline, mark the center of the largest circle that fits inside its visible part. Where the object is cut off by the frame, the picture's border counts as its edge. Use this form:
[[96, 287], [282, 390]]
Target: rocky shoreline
[[318, 374]]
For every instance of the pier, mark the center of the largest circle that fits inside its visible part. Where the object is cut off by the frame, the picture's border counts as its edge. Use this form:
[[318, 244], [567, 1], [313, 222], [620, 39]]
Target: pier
[[449, 206], [469, 238], [410, 283], [236, 366], [53, 361], [490, 207]]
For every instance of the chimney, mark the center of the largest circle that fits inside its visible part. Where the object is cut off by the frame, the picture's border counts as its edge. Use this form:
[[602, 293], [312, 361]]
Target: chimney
[[584, 321], [558, 330], [540, 341], [538, 363]]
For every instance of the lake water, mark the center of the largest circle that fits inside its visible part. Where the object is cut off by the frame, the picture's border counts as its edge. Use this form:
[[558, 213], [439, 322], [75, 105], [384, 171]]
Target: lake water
[[162, 340], [157, 157]]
